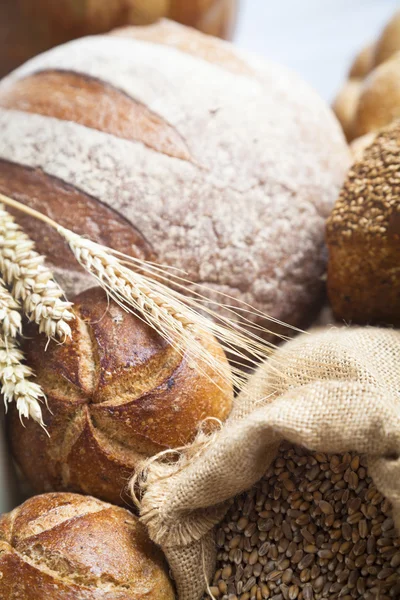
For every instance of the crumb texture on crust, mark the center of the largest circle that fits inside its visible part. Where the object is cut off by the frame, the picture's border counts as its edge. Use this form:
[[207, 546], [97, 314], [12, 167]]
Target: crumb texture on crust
[[67, 546]]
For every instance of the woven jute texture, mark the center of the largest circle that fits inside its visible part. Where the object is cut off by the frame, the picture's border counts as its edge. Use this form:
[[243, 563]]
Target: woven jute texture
[[332, 390]]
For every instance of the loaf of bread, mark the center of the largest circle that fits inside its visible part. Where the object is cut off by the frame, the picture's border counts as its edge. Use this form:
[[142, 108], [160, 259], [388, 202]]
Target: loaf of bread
[[363, 236], [363, 63], [345, 105], [117, 393], [215, 17], [28, 27], [180, 149], [389, 40], [379, 100], [71, 547]]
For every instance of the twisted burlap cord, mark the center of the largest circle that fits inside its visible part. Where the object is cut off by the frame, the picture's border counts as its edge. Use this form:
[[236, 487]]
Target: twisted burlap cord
[[333, 390]]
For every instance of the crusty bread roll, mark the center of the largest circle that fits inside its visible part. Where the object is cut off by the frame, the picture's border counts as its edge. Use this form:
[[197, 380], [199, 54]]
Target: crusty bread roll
[[215, 17], [28, 27], [224, 165], [117, 393], [363, 62], [71, 547], [363, 235], [389, 41], [379, 102], [345, 105]]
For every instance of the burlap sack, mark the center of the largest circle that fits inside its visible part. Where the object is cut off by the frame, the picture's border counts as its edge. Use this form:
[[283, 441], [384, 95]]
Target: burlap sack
[[332, 390]]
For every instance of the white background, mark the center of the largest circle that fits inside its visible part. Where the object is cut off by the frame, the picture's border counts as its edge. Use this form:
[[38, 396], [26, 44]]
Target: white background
[[316, 38]]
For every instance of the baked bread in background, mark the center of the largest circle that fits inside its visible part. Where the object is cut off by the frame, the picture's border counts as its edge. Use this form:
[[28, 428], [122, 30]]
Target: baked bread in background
[[117, 394], [379, 99], [363, 236], [370, 98], [187, 152], [71, 547], [29, 27]]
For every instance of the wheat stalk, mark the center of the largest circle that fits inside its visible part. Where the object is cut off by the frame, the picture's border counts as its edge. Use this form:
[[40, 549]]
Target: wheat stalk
[[178, 318], [31, 281], [14, 376]]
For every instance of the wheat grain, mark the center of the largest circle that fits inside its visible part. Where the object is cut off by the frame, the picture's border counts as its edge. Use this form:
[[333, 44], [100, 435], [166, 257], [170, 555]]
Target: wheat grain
[[31, 281], [177, 317], [314, 527]]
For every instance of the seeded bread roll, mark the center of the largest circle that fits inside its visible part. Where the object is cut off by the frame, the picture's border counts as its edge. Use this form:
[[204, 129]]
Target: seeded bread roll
[[117, 393], [202, 157], [71, 547], [363, 235], [379, 101]]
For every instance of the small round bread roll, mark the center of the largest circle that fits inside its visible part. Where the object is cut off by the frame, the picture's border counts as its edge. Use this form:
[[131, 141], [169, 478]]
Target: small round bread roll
[[363, 236], [117, 394], [215, 17], [363, 63], [379, 102], [389, 40], [66, 546], [345, 105]]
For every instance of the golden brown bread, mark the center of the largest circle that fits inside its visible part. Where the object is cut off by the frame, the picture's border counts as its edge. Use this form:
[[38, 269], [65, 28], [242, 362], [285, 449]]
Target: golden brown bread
[[389, 40], [71, 547], [363, 63], [345, 105], [363, 236], [214, 17], [117, 393], [379, 101]]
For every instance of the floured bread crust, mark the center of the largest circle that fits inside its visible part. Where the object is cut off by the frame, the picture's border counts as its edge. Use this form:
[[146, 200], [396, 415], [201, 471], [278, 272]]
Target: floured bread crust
[[225, 165]]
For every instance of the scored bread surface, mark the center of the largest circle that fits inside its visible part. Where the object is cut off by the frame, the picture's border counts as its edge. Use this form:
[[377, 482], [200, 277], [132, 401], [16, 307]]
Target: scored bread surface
[[229, 172]]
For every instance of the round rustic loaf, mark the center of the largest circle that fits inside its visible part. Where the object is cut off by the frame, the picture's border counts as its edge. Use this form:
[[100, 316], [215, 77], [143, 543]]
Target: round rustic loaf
[[71, 547], [379, 100], [363, 235], [218, 163], [117, 394]]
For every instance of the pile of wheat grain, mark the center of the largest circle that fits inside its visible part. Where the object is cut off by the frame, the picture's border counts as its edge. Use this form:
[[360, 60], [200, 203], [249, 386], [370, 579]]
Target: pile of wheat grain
[[314, 527]]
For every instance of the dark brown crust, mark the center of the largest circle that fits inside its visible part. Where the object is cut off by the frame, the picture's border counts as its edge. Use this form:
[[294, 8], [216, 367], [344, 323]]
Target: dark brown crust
[[69, 547], [71, 208], [101, 106], [118, 393]]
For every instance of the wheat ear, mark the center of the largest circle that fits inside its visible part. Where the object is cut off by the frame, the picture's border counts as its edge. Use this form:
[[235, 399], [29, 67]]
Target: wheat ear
[[176, 317], [14, 376], [31, 281]]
